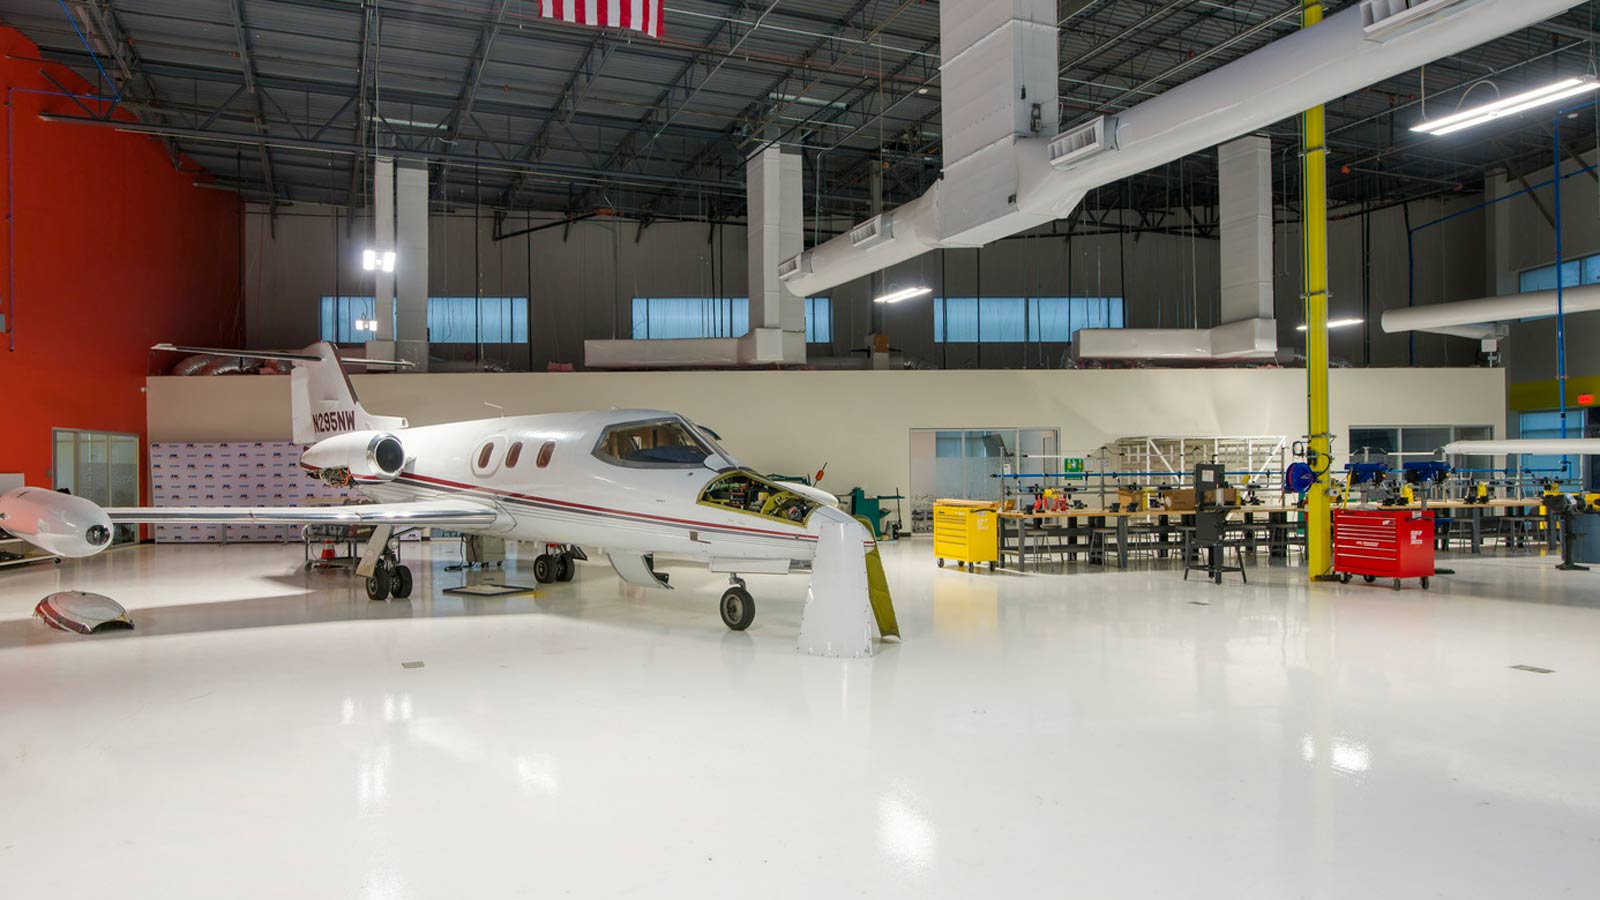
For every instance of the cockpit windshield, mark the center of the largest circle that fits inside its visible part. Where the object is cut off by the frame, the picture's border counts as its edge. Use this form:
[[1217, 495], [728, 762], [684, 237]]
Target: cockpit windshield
[[667, 443], [715, 440]]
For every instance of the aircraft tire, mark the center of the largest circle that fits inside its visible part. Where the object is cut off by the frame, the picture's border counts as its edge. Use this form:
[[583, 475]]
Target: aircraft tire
[[566, 567], [402, 583], [544, 568], [378, 584], [737, 607]]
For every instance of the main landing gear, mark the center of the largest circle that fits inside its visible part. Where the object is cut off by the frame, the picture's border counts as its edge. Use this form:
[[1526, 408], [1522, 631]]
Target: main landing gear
[[389, 578], [558, 563], [737, 607]]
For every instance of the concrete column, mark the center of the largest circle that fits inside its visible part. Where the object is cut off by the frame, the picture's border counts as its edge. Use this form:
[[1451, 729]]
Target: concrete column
[[1500, 277], [775, 228], [1244, 187], [381, 346], [411, 266]]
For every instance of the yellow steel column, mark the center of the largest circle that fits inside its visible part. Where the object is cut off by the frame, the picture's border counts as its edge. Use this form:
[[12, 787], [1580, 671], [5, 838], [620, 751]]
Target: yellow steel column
[[1314, 263]]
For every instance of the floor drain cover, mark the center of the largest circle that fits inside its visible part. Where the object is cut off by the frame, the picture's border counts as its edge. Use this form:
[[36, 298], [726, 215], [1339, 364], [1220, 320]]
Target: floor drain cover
[[487, 590], [1534, 669], [1198, 603], [411, 664]]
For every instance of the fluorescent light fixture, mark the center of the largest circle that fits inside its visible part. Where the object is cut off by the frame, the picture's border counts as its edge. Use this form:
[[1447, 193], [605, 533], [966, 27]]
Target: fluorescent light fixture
[[1334, 323], [1508, 106], [372, 260], [902, 294]]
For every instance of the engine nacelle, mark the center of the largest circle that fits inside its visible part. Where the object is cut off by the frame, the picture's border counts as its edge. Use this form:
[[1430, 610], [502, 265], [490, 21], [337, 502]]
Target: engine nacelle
[[55, 522], [364, 455]]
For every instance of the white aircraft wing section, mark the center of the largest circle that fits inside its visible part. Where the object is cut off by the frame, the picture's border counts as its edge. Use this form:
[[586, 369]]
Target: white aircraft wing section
[[446, 513]]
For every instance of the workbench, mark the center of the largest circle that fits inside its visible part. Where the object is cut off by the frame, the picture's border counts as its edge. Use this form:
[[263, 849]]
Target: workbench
[[1503, 504], [1084, 531]]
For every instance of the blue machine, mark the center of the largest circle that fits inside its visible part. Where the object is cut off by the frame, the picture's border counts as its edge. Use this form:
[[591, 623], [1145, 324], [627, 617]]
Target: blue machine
[[1426, 471], [1366, 472]]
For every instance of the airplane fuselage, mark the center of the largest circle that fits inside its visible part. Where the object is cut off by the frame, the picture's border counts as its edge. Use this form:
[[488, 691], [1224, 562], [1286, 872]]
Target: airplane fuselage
[[566, 484]]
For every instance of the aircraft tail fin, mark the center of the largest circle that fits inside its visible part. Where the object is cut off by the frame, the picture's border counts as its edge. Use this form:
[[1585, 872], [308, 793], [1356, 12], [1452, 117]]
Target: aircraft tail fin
[[323, 402]]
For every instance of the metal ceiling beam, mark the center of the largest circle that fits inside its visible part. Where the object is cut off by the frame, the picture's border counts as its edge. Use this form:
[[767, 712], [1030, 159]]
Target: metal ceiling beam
[[567, 102], [1122, 36], [469, 89], [100, 20], [247, 65], [342, 148]]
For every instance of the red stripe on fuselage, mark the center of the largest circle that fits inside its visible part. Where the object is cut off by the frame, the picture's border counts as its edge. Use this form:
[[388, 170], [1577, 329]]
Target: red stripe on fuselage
[[720, 526]]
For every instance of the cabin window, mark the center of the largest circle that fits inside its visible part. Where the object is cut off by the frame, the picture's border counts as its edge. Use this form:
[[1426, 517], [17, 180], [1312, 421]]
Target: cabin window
[[659, 443], [545, 453], [489, 456], [514, 454]]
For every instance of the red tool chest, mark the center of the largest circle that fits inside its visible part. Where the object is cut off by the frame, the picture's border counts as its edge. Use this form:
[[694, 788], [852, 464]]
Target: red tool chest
[[1383, 543]]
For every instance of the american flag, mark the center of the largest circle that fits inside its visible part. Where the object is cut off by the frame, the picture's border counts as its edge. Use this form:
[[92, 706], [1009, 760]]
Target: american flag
[[639, 15]]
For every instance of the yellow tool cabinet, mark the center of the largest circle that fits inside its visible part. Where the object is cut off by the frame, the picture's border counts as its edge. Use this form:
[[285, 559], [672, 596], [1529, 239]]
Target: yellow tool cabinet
[[966, 532]]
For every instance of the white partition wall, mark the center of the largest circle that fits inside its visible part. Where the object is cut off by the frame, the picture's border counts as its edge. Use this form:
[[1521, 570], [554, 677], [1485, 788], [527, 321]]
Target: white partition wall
[[859, 422]]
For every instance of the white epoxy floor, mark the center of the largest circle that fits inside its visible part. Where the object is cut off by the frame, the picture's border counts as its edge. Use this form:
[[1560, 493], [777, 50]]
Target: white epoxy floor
[[1095, 735]]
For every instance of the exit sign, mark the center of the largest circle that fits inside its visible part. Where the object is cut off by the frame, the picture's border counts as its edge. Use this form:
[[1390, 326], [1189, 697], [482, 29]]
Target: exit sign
[[1585, 399], [1072, 467]]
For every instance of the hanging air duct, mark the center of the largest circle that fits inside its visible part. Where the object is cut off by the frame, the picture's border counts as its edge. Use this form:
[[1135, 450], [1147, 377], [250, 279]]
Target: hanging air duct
[[1085, 142], [1463, 317], [999, 113]]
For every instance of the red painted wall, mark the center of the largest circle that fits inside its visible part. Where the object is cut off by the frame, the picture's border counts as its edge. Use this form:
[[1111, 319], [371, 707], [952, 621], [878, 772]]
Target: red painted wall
[[114, 250]]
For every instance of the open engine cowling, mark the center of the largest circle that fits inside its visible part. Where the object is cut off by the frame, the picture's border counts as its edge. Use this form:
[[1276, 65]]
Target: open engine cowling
[[364, 455], [55, 522]]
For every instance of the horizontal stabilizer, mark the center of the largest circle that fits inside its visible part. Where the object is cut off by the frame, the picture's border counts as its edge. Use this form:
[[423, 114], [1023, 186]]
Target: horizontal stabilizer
[[282, 355]]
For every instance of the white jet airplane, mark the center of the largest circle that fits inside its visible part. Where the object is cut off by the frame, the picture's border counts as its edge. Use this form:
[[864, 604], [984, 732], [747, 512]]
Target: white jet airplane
[[635, 483]]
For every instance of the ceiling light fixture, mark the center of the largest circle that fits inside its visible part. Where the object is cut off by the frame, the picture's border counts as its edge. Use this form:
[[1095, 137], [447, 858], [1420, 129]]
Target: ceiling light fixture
[[1335, 323], [372, 260], [1507, 106], [902, 294]]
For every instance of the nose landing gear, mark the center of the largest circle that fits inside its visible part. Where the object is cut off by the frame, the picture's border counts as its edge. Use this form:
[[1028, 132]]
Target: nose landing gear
[[737, 607]]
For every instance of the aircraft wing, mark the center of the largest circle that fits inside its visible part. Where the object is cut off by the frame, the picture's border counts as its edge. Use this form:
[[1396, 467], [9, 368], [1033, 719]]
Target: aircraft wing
[[450, 513]]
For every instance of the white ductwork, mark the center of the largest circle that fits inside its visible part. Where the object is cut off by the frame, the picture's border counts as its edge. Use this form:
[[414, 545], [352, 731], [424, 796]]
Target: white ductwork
[[1008, 185], [1470, 318], [1246, 339], [1249, 330]]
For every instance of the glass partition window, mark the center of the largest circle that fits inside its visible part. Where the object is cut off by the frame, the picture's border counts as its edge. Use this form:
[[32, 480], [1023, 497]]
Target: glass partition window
[[451, 320], [102, 467], [1396, 445], [1547, 424], [1018, 320], [668, 318], [974, 464], [659, 443]]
